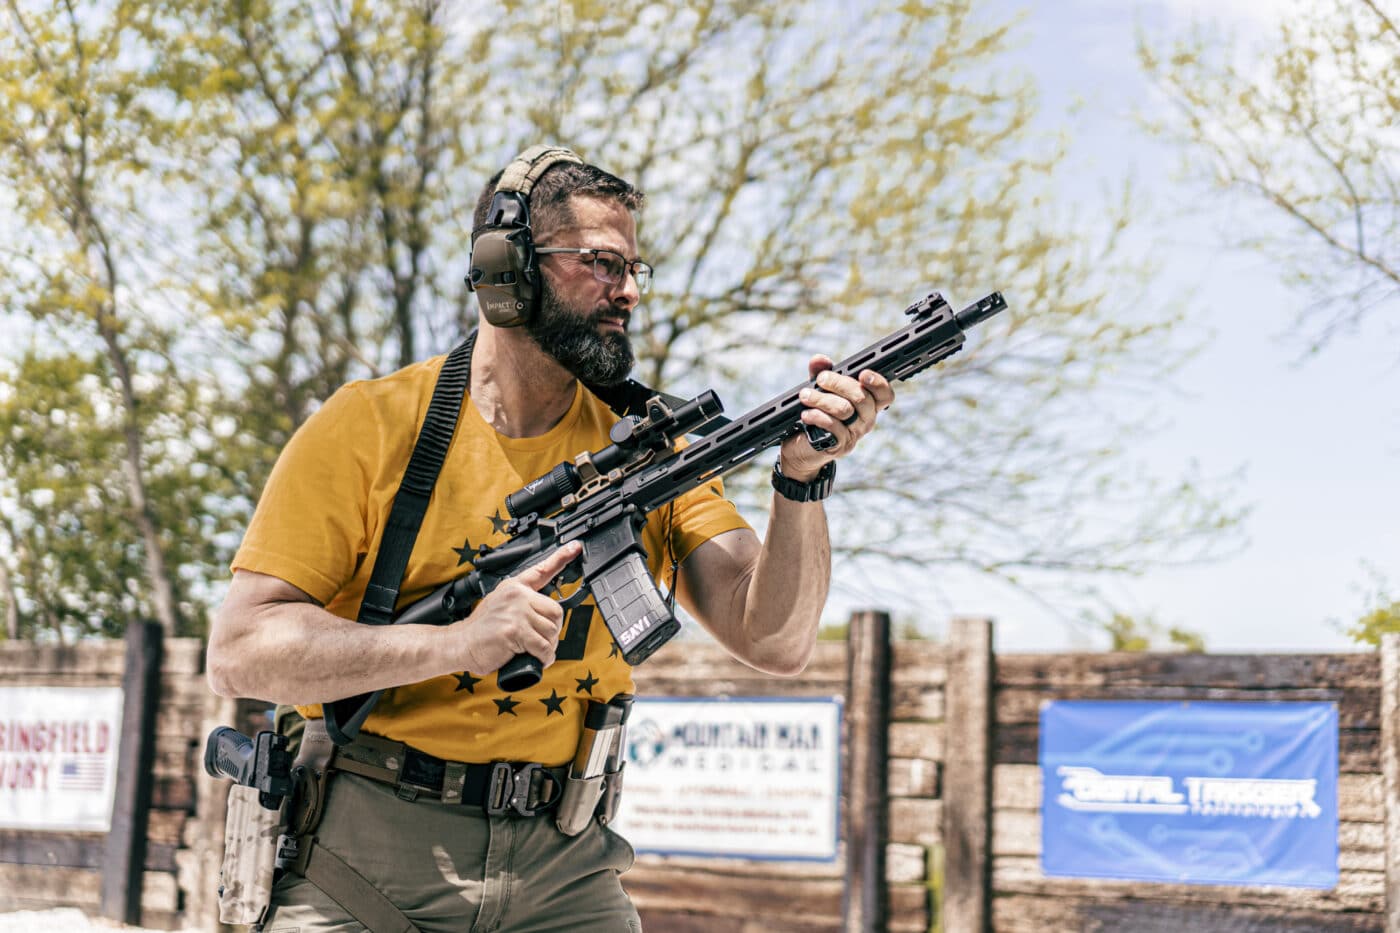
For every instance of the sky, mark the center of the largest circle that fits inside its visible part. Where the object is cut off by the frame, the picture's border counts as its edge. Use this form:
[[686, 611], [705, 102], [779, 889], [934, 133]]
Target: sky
[[1317, 439]]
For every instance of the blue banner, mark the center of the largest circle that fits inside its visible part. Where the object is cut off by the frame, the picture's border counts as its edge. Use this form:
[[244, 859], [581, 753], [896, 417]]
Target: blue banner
[[1202, 793]]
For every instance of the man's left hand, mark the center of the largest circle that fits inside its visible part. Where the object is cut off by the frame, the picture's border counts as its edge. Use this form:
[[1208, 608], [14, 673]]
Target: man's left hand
[[844, 406]]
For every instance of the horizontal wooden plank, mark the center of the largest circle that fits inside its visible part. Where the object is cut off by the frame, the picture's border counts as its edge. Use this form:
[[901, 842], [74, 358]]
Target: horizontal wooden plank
[[1359, 796], [1357, 890], [1019, 913], [173, 793], [776, 870], [1357, 707], [60, 679], [1359, 669], [164, 826], [181, 656], [916, 821], [1019, 744], [732, 895], [34, 887], [160, 893], [676, 921], [905, 863], [917, 702], [72, 850], [761, 904], [919, 663], [913, 777], [916, 740], [179, 720]]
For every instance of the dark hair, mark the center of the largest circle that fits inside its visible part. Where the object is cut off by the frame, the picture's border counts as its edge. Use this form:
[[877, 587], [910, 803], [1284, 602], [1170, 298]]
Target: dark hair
[[549, 199]]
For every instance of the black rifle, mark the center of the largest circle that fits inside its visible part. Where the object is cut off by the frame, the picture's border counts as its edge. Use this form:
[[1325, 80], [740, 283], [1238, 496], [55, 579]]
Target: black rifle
[[602, 500]]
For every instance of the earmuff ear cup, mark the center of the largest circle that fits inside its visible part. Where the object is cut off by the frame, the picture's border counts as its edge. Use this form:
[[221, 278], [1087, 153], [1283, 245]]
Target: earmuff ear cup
[[503, 270], [504, 276]]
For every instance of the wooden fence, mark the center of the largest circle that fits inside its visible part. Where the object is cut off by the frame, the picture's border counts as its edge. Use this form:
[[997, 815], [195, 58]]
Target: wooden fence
[[165, 808], [941, 794]]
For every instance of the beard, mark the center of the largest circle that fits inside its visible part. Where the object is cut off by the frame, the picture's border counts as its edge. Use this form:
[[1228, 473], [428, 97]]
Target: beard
[[572, 338]]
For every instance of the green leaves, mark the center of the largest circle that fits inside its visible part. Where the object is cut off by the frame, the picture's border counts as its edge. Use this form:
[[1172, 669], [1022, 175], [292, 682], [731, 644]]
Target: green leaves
[[233, 209]]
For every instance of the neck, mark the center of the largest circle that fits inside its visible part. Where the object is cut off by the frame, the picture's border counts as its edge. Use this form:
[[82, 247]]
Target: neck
[[518, 389]]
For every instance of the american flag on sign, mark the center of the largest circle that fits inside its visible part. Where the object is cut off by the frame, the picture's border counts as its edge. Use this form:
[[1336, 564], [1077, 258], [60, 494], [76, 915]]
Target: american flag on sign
[[82, 772]]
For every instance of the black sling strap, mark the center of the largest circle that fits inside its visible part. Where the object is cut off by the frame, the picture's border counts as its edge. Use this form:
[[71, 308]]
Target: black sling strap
[[344, 717]]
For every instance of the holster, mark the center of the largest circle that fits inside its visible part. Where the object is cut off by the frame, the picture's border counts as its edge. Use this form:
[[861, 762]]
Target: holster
[[258, 842], [251, 832]]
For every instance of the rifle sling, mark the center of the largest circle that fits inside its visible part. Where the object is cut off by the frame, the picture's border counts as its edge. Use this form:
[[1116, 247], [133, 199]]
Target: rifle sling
[[344, 717]]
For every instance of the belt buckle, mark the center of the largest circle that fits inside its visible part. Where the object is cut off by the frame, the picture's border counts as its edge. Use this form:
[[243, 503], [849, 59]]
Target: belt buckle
[[509, 789]]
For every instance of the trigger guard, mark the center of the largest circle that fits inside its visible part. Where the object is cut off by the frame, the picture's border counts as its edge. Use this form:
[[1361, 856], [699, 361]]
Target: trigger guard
[[576, 599]]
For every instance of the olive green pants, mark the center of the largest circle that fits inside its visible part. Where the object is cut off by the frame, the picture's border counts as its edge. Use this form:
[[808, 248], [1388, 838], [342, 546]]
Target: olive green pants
[[451, 868]]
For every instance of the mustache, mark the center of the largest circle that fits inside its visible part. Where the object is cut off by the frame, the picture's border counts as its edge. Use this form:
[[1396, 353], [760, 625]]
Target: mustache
[[607, 311]]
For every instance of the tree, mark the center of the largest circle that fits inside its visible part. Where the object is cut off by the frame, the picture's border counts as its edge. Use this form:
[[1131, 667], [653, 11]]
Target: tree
[[811, 171], [1304, 125], [1381, 615], [1127, 633], [74, 128]]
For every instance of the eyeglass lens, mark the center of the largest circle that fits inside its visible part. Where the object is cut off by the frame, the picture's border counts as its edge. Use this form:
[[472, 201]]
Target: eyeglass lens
[[610, 267]]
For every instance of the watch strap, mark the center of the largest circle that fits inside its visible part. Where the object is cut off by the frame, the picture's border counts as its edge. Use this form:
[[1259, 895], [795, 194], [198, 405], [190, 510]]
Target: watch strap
[[817, 489]]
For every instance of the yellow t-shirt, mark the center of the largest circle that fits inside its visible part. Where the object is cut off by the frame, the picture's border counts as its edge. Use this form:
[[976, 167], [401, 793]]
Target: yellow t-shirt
[[318, 527]]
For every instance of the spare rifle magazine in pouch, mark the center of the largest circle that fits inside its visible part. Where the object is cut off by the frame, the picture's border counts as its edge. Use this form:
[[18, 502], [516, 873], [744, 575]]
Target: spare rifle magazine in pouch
[[250, 845]]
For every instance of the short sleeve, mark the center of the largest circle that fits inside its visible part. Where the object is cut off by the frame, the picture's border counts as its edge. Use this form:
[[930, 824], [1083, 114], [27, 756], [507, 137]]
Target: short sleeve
[[700, 515], [310, 527]]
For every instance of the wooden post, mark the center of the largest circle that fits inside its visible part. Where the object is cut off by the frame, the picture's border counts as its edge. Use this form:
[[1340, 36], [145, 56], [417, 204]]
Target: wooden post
[[1390, 774], [967, 781], [126, 840], [864, 907]]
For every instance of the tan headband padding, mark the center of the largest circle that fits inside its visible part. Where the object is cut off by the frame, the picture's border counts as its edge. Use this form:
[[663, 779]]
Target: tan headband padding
[[520, 176]]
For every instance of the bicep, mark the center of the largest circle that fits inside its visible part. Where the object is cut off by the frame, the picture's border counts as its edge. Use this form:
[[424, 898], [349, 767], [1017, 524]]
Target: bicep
[[714, 581]]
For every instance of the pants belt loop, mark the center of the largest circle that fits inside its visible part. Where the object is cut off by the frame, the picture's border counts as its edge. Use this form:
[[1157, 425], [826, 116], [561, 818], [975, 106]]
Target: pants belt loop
[[454, 779]]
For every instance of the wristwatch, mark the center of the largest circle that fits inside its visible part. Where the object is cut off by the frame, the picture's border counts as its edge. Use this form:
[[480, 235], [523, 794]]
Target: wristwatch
[[819, 488]]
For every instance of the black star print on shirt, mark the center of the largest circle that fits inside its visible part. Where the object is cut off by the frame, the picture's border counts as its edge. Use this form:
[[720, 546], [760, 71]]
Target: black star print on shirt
[[498, 524], [465, 553], [614, 651], [553, 703], [586, 683], [507, 705], [467, 682]]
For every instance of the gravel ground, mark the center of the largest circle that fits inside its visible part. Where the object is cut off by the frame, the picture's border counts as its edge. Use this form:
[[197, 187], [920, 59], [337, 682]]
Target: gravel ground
[[61, 920]]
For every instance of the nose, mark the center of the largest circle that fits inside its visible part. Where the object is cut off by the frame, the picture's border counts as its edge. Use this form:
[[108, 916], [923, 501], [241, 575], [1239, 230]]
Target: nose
[[626, 293]]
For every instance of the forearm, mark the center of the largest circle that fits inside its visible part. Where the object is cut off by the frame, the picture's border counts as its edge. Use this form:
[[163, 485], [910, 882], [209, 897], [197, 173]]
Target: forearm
[[788, 589], [297, 652]]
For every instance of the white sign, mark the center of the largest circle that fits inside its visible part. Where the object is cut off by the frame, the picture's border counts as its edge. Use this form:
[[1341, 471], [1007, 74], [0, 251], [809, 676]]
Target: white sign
[[742, 778], [58, 757]]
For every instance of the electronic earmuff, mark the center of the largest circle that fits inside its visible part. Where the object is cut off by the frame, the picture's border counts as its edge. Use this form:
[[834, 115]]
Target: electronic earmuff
[[504, 272]]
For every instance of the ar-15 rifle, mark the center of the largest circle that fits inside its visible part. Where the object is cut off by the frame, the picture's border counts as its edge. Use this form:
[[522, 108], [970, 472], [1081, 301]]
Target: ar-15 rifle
[[602, 500]]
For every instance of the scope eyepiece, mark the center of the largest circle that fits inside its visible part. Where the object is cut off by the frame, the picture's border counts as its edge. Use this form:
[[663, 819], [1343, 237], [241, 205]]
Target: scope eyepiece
[[543, 495]]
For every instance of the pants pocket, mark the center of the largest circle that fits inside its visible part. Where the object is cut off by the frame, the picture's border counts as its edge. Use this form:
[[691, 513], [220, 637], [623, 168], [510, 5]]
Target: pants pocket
[[620, 849]]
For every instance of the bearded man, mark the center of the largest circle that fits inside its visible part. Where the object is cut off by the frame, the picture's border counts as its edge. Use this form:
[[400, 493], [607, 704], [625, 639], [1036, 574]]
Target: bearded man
[[404, 808]]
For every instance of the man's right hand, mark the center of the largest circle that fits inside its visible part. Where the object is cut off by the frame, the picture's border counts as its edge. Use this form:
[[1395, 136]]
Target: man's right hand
[[516, 617]]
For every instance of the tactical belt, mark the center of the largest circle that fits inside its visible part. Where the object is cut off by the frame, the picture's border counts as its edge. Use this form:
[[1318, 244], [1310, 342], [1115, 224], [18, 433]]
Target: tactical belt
[[499, 788]]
